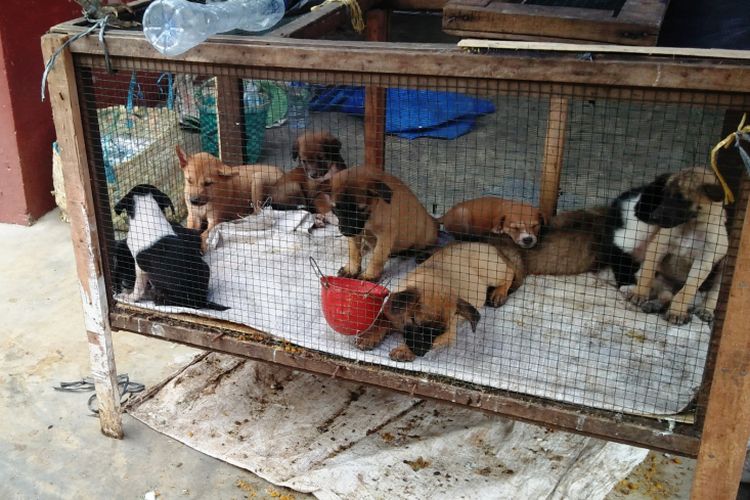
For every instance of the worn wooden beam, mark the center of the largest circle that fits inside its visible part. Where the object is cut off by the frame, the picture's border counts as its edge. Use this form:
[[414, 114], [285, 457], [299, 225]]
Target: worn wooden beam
[[726, 427], [66, 112], [657, 434], [375, 97], [554, 149], [229, 118], [637, 23], [320, 21], [447, 61]]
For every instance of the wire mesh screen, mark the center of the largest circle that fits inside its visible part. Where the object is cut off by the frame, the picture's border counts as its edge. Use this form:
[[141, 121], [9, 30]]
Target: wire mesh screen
[[258, 198]]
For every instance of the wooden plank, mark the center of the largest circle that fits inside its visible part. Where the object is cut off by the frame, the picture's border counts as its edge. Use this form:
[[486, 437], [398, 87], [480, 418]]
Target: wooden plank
[[375, 97], [656, 434], [415, 4], [500, 17], [472, 43], [646, 12], [443, 60], [66, 112], [554, 149], [229, 108], [727, 424], [320, 21]]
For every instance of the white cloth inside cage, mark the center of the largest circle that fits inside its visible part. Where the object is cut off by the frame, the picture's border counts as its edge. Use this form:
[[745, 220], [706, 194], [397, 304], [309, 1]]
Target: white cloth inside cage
[[566, 338]]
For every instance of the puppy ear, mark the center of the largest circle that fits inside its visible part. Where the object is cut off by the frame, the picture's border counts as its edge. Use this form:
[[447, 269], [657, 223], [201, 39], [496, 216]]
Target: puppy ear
[[469, 312], [400, 302], [325, 186], [227, 171], [714, 192], [124, 204], [332, 148], [380, 189], [498, 229], [181, 156], [163, 200]]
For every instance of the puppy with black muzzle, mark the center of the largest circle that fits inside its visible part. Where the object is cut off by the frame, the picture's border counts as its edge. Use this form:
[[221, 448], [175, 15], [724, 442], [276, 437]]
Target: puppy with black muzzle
[[692, 228], [455, 281], [319, 157], [378, 213], [170, 262]]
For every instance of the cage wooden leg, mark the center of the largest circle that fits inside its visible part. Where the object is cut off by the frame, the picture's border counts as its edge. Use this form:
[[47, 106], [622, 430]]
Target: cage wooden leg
[[726, 427], [229, 120], [67, 116], [554, 148], [375, 97]]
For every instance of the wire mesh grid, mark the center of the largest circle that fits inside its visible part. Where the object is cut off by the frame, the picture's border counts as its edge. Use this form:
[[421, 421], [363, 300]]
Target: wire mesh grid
[[445, 262]]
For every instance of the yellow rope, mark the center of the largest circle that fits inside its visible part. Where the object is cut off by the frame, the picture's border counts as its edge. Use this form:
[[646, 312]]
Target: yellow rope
[[355, 12], [725, 143]]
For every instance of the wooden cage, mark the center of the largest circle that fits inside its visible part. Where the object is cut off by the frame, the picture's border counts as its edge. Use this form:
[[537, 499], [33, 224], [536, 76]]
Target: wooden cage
[[714, 428]]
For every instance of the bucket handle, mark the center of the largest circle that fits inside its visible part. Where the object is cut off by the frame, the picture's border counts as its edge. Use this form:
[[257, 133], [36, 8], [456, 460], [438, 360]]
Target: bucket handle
[[320, 274], [316, 268]]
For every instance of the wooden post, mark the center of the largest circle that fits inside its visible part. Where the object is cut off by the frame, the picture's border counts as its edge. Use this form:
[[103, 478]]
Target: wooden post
[[554, 148], [726, 426], [229, 120], [375, 97], [66, 112]]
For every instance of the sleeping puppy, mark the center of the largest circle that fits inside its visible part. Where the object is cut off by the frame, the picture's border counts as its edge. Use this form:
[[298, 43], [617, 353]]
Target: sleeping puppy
[[216, 192], [319, 156], [378, 213], [455, 281], [170, 263], [692, 222], [479, 218]]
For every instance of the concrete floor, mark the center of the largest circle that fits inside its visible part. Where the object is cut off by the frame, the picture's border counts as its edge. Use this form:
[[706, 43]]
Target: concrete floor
[[51, 448]]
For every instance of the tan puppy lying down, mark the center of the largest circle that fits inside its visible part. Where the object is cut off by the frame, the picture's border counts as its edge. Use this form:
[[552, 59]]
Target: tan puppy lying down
[[453, 282], [482, 217]]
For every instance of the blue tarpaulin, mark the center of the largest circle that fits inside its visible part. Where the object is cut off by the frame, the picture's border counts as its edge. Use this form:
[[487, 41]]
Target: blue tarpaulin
[[410, 113]]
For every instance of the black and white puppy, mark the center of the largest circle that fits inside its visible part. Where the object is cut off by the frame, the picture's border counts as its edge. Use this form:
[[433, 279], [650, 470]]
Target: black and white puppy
[[628, 229], [167, 259]]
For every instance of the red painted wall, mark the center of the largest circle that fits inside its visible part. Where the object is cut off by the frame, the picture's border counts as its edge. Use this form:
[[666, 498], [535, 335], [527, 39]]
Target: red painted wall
[[26, 129]]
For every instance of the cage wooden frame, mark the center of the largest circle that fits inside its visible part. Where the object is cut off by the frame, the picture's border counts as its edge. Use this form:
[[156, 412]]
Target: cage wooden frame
[[717, 437]]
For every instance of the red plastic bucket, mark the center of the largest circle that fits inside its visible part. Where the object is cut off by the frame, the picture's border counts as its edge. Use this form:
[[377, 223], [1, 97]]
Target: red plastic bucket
[[350, 306]]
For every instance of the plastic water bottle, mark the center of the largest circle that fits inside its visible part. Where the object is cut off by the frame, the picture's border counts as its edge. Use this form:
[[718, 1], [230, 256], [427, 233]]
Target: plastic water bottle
[[175, 26], [252, 97], [298, 100]]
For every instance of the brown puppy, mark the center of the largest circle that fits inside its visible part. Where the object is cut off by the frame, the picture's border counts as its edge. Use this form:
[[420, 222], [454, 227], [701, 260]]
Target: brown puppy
[[319, 155], [215, 192], [452, 282], [377, 211], [482, 217], [692, 222]]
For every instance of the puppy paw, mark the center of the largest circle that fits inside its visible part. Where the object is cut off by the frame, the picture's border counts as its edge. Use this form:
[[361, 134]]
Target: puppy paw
[[635, 298], [346, 272], [652, 306], [372, 338], [402, 353], [704, 314], [677, 317], [366, 276], [497, 297]]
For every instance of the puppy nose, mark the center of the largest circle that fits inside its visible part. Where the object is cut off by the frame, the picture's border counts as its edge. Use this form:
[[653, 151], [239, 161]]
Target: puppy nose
[[196, 200], [528, 240]]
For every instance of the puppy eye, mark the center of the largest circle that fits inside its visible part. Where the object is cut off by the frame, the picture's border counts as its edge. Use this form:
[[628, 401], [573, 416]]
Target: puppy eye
[[190, 181], [361, 206], [208, 183]]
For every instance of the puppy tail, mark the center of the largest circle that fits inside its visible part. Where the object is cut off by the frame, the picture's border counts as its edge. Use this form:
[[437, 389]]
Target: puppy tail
[[214, 306]]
